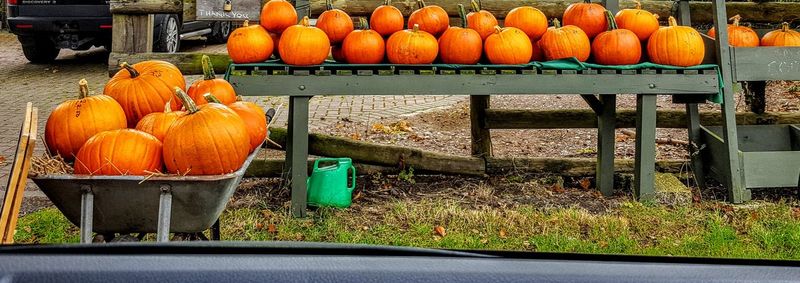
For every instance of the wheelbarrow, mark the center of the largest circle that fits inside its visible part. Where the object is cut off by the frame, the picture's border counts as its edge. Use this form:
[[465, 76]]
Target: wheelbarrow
[[134, 204]]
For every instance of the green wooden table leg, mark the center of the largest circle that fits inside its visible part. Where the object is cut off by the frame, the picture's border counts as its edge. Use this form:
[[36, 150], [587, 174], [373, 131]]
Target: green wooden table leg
[[297, 152], [645, 167], [606, 138], [693, 127]]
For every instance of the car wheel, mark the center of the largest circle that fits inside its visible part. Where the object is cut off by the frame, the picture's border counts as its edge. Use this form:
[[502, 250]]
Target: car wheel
[[167, 34], [220, 32], [39, 50]]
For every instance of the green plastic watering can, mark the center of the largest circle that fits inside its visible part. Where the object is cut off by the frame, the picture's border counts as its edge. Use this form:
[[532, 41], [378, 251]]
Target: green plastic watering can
[[327, 186]]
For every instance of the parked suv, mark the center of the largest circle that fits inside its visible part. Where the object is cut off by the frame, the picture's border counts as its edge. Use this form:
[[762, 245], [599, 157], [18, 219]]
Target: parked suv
[[44, 27]]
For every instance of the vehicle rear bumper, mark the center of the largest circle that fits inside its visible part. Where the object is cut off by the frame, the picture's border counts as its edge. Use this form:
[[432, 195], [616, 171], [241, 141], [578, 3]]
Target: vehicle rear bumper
[[38, 19]]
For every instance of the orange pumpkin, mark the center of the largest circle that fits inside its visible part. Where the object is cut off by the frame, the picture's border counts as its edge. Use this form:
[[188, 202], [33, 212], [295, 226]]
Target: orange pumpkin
[[537, 54], [481, 20], [781, 37], [616, 46], [278, 15], [304, 45], [640, 22], [209, 140], [661, 45], [220, 88], [412, 46], [250, 44], [588, 16], [460, 45], [386, 19], [253, 116], [337, 54], [275, 41], [565, 42], [144, 88], [738, 36], [74, 121], [508, 46], [431, 19], [335, 23], [529, 19], [119, 152], [364, 46], [157, 123]]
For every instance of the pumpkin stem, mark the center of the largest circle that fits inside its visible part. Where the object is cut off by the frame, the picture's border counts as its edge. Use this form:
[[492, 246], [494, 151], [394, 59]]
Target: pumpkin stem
[[785, 27], [168, 106], [462, 13], [208, 68], [246, 23], [612, 23], [736, 19], [387, 2], [211, 98], [475, 6], [638, 4], [556, 23], [587, 1], [328, 5], [672, 21], [134, 73], [416, 27], [187, 101], [656, 16], [305, 21], [497, 29], [83, 89], [420, 4], [362, 21]]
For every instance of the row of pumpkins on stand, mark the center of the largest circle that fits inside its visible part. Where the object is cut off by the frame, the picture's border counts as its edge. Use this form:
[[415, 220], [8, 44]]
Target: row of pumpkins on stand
[[588, 30], [147, 122]]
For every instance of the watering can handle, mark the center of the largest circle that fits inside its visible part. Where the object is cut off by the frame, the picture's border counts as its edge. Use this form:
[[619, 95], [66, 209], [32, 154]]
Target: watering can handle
[[353, 176], [316, 163]]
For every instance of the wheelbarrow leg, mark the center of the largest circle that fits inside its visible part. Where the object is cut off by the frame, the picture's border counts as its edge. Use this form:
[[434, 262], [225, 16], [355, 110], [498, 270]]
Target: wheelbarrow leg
[[164, 214], [215, 231], [87, 214]]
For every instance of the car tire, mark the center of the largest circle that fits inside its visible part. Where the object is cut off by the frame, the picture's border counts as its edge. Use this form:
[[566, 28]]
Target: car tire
[[39, 50], [167, 34], [220, 32]]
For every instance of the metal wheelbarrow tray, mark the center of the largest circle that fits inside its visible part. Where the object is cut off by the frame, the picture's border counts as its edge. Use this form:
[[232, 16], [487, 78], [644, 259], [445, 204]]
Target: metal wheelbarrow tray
[[128, 204]]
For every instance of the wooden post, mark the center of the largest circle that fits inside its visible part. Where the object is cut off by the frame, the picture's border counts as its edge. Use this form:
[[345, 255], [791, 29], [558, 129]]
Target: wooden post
[[481, 138], [132, 20], [756, 95]]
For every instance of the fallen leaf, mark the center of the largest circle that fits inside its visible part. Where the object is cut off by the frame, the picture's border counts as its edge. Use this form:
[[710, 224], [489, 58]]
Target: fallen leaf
[[440, 231], [503, 233], [484, 241], [355, 136], [357, 196], [259, 226], [272, 229], [557, 188], [585, 183]]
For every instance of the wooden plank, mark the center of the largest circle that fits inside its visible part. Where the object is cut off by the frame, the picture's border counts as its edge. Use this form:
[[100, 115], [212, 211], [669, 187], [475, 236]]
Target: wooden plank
[[771, 169], [297, 152], [585, 118], [132, 34], [146, 6], [569, 166], [481, 137], [766, 63], [190, 10], [693, 129], [188, 63], [18, 176], [213, 10], [645, 155], [606, 146]]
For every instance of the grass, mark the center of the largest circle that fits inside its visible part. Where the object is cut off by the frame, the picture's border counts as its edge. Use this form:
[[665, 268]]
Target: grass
[[757, 230]]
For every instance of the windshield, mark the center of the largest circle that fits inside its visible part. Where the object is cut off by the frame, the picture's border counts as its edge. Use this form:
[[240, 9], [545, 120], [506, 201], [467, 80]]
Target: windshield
[[527, 129]]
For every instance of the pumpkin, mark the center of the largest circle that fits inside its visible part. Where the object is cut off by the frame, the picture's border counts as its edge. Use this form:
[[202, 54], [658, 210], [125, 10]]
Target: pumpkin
[[276, 37], [157, 123], [528, 19], [640, 22], [781, 37], [508, 46], [278, 15], [412, 46], [588, 16], [74, 121], [144, 88], [337, 54], [564, 42], [661, 45], [481, 20], [431, 19], [253, 116], [738, 36], [304, 45], [335, 23], [616, 46], [460, 45], [208, 140], [364, 46], [386, 19], [119, 152], [220, 88], [250, 44], [536, 54]]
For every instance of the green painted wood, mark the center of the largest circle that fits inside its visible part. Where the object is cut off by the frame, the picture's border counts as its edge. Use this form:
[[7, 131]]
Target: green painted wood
[[645, 147], [593, 102], [297, 152], [481, 137], [766, 63], [693, 128], [473, 84], [795, 136], [773, 169], [606, 139], [713, 154]]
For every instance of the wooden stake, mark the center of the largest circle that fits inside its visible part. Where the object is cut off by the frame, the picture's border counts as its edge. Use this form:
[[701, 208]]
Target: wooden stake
[[18, 177]]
